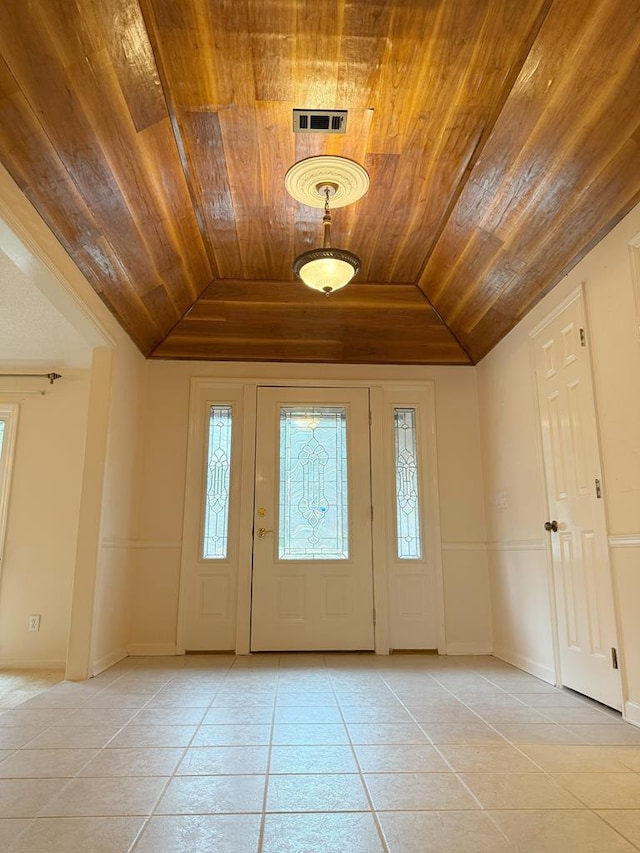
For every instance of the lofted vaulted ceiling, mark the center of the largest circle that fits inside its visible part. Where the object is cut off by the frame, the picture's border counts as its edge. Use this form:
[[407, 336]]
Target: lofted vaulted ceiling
[[502, 140]]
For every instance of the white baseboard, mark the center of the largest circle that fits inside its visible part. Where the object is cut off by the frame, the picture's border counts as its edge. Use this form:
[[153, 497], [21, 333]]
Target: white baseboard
[[106, 661], [468, 649], [151, 649], [32, 664], [632, 713], [545, 673]]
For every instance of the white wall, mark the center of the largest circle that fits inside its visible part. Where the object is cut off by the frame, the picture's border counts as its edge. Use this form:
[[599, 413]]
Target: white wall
[[70, 538], [513, 462], [42, 526], [118, 552], [163, 471]]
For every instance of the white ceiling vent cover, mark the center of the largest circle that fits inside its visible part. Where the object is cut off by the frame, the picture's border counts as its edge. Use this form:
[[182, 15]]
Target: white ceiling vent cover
[[319, 121]]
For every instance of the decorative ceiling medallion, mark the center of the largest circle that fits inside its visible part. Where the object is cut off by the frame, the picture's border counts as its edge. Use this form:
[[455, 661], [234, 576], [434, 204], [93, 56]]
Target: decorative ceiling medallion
[[305, 181]]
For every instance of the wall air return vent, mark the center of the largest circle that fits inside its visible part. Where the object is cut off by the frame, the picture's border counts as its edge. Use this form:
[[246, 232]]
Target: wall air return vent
[[319, 121]]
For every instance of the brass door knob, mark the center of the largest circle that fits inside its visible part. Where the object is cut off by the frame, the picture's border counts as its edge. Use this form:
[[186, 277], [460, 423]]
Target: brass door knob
[[262, 532], [551, 525]]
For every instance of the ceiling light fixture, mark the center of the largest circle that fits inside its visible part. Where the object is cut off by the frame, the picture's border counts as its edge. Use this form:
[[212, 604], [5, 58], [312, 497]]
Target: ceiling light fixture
[[326, 269], [314, 182]]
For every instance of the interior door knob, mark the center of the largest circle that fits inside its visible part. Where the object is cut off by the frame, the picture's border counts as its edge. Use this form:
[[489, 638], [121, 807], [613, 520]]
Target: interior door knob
[[551, 525]]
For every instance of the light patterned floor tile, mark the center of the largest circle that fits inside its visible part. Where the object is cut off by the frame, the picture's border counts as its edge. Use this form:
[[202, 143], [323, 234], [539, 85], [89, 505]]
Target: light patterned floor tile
[[486, 758], [290, 734], [321, 833], [13, 737], [133, 762], [308, 714], [26, 797], [530, 733], [10, 829], [442, 832], [74, 737], [24, 717], [153, 736], [418, 792], [213, 795], [607, 733], [559, 831], [45, 763], [201, 834], [170, 716], [519, 791], [400, 758], [386, 733], [123, 796], [626, 822], [461, 733], [79, 835], [215, 760], [232, 735], [252, 715], [603, 790], [315, 793], [319, 758], [583, 759]]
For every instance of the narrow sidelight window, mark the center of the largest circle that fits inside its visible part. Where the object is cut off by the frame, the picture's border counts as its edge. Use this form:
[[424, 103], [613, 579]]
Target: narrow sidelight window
[[8, 424], [216, 504], [409, 543]]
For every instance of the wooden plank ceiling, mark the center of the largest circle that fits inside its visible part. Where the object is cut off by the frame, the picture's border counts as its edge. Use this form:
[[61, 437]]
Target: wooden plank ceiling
[[502, 139]]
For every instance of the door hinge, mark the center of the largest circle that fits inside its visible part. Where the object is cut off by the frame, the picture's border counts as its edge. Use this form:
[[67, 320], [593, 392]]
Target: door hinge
[[598, 489], [614, 658], [583, 338], [371, 513], [374, 616], [370, 419]]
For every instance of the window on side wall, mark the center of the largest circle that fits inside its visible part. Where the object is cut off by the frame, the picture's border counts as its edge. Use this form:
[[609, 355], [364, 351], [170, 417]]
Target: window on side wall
[[8, 426]]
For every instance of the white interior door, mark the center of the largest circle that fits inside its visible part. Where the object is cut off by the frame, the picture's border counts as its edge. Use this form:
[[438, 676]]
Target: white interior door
[[312, 583], [582, 576]]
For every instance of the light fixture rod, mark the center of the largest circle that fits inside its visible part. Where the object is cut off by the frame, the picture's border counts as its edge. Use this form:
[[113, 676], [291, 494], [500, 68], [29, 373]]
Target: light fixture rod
[[326, 221]]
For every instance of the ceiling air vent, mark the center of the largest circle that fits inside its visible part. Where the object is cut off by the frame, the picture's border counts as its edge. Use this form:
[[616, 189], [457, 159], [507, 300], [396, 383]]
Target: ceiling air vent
[[319, 121]]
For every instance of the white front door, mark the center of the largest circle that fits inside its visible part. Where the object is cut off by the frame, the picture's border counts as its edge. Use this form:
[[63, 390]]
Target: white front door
[[312, 583], [582, 576]]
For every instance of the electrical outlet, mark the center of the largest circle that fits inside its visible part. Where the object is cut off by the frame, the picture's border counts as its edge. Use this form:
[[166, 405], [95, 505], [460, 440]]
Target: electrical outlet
[[501, 500], [34, 622]]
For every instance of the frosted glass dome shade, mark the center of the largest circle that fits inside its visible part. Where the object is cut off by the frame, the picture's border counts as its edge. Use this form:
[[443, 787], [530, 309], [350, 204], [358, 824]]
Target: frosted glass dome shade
[[326, 269]]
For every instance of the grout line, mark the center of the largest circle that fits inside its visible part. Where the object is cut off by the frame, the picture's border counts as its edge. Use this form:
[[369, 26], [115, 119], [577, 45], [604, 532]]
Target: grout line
[[374, 811], [263, 816]]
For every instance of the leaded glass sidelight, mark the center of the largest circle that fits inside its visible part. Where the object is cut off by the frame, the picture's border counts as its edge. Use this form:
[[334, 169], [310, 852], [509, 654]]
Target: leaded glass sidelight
[[216, 509], [313, 501], [407, 491]]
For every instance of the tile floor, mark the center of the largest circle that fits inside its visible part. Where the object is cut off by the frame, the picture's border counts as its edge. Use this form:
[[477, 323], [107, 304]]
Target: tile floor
[[316, 754], [18, 685]]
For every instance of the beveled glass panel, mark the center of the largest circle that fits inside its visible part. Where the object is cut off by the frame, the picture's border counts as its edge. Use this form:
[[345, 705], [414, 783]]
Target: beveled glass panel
[[216, 509], [409, 546], [313, 503]]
